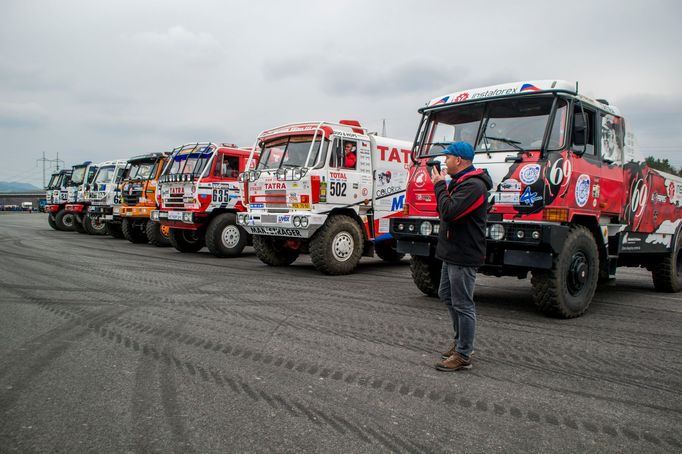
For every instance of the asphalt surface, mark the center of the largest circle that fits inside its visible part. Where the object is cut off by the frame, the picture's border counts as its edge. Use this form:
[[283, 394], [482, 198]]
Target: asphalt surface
[[108, 346]]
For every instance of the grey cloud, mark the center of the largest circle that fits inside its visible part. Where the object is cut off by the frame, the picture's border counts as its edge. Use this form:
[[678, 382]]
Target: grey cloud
[[22, 115]]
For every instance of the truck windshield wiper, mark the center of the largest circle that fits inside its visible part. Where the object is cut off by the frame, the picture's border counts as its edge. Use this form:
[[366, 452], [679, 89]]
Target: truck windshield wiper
[[513, 143]]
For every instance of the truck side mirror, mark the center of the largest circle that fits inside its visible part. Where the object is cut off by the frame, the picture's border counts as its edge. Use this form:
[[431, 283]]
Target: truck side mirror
[[580, 133]]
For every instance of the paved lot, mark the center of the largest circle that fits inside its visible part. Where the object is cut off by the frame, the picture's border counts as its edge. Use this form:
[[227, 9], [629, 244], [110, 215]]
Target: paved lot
[[107, 346]]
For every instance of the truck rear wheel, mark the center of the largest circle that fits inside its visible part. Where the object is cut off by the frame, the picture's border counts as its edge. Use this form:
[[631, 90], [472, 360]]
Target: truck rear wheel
[[78, 224], [667, 274], [273, 252], [224, 238], [64, 220], [567, 289], [157, 234], [186, 240], [385, 250], [134, 231], [51, 222], [94, 226], [337, 246], [426, 273], [114, 229]]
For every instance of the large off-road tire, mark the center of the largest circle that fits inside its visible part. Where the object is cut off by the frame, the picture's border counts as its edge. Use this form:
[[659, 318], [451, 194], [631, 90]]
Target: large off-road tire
[[385, 250], [134, 231], [186, 240], [64, 220], [78, 224], [224, 238], [157, 234], [426, 273], [114, 229], [273, 252], [567, 289], [336, 247], [51, 222], [94, 226], [667, 273]]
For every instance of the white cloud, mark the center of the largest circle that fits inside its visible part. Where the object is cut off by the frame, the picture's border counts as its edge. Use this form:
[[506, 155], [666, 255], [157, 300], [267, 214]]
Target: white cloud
[[22, 115], [178, 40]]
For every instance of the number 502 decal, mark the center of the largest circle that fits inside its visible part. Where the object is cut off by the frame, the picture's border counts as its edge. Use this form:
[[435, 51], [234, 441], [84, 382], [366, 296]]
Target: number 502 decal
[[337, 188]]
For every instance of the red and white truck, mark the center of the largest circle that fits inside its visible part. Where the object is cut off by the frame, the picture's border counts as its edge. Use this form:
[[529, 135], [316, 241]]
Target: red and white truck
[[198, 198], [572, 197], [81, 178], [55, 196], [327, 189]]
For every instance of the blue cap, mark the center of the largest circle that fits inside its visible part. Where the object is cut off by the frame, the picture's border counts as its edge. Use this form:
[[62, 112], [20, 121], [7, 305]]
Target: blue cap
[[461, 149]]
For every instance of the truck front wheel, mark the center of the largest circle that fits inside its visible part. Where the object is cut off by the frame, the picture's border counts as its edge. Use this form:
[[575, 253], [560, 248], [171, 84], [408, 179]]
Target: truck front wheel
[[337, 246], [51, 222], [667, 274], [386, 251], [224, 238], [426, 273], [157, 234], [94, 226], [133, 232], [64, 220], [273, 252], [186, 240], [567, 289]]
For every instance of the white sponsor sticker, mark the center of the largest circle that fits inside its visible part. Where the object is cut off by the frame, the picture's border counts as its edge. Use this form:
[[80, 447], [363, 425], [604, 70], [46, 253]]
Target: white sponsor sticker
[[530, 173], [582, 190], [175, 215], [510, 185], [506, 197]]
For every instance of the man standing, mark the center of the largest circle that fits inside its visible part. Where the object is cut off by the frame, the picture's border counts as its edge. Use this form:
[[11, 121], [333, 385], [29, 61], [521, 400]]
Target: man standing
[[349, 157], [462, 208]]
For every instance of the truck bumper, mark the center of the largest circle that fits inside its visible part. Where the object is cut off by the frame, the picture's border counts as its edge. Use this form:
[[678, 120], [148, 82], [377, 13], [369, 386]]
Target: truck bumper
[[533, 248], [290, 225]]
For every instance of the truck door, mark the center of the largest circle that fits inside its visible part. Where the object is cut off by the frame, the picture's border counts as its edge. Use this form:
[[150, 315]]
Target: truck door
[[344, 177], [586, 173], [612, 141]]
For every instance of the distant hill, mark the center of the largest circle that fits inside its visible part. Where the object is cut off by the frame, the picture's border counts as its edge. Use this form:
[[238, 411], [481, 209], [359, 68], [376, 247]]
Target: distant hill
[[13, 186]]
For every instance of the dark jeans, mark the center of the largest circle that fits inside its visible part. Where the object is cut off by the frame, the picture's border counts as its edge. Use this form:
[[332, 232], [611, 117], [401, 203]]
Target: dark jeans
[[457, 292]]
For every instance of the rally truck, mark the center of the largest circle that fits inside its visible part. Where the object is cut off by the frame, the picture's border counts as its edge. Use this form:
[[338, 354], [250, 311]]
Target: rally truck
[[104, 197], [81, 178], [327, 189], [198, 197], [138, 200], [572, 197], [56, 194]]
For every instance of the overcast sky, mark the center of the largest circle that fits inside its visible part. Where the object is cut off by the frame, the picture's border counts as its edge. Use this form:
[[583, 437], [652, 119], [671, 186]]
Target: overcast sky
[[96, 80]]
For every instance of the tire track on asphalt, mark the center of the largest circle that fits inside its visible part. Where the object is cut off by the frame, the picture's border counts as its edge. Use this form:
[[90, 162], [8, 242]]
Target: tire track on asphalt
[[482, 406], [237, 385]]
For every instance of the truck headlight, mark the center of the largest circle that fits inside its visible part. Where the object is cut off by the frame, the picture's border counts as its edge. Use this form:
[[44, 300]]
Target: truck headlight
[[187, 217], [304, 221], [297, 221], [496, 232], [425, 228], [400, 227], [535, 235]]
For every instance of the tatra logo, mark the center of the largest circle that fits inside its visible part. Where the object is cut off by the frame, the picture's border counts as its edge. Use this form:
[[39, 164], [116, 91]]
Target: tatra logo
[[394, 155], [275, 186]]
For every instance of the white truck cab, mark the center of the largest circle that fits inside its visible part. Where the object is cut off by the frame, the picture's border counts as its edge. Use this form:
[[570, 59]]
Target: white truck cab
[[324, 188], [105, 196]]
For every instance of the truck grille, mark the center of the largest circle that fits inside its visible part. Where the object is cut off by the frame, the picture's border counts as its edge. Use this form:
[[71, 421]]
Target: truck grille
[[132, 198]]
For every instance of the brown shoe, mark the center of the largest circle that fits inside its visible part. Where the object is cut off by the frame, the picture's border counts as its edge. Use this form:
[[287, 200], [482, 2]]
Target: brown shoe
[[453, 350], [449, 353], [453, 363]]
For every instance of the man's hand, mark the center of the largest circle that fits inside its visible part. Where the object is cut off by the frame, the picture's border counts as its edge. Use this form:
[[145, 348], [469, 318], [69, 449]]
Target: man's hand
[[437, 176]]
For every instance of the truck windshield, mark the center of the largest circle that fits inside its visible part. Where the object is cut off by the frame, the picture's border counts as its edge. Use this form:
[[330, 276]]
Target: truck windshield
[[190, 160], [139, 170], [54, 179], [292, 151], [105, 174], [501, 125], [92, 170], [78, 175]]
